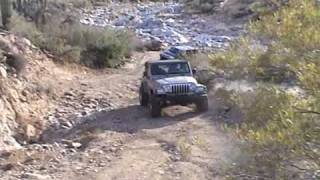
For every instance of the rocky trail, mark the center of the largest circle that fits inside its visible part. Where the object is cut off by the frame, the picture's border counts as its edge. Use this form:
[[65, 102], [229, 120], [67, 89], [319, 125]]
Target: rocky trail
[[98, 131]]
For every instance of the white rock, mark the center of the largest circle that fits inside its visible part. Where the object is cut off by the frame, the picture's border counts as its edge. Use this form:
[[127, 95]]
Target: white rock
[[34, 176], [76, 145], [30, 131], [3, 72]]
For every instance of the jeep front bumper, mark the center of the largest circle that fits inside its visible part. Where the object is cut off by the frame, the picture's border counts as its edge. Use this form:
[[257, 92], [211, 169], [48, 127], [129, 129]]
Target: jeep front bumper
[[167, 99]]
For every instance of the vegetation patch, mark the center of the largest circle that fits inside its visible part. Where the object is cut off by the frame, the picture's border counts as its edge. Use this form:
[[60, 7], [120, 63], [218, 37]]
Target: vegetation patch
[[68, 41], [281, 129]]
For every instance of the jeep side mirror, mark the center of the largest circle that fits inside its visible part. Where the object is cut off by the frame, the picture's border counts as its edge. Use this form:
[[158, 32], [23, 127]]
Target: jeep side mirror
[[145, 74], [194, 71]]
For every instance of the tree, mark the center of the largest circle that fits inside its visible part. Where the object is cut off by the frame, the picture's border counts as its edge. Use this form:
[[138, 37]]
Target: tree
[[6, 12], [19, 6]]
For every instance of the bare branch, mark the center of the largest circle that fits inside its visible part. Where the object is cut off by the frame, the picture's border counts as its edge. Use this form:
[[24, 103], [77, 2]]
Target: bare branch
[[304, 111]]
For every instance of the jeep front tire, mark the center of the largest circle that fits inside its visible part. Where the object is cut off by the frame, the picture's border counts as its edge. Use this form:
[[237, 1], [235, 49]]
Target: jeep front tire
[[143, 97], [155, 107], [202, 104]]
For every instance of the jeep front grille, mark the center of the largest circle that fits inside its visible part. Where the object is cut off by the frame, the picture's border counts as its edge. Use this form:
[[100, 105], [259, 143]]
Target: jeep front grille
[[180, 89]]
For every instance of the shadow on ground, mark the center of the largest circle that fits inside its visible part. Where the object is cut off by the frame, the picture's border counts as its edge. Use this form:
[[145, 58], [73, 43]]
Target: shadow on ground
[[130, 119]]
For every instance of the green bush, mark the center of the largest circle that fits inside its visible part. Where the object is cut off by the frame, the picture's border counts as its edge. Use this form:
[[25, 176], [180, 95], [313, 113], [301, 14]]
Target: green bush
[[278, 135], [106, 48], [73, 42], [20, 26], [282, 130], [276, 45], [202, 6]]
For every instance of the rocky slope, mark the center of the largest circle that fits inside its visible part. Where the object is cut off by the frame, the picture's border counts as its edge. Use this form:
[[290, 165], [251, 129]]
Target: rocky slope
[[29, 85]]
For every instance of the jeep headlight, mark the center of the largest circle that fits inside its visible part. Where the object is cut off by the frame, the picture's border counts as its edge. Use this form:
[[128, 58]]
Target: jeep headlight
[[160, 91], [201, 89], [193, 87], [167, 88]]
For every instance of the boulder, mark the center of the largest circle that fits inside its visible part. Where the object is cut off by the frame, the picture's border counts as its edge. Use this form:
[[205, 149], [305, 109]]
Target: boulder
[[153, 45], [204, 76], [122, 21]]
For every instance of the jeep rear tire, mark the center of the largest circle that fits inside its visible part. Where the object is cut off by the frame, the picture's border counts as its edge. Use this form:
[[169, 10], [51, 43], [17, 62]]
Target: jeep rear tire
[[203, 105], [155, 107], [143, 97]]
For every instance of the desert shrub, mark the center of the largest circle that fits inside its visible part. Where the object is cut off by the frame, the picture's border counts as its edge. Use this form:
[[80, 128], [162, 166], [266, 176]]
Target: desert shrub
[[202, 6], [105, 48], [278, 134], [73, 42], [235, 8], [59, 32], [276, 45], [20, 26], [81, 3], [281, 129], [74, 3]]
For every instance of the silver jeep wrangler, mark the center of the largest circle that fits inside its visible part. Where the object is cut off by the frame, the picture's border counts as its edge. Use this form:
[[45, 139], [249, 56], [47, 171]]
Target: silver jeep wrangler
[[171, 82]]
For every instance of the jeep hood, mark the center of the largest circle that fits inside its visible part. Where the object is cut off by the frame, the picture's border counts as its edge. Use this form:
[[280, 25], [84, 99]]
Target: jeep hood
[[176, 80]]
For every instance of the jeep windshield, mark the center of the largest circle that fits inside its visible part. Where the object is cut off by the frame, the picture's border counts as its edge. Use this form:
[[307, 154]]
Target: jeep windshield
[[170, 68]]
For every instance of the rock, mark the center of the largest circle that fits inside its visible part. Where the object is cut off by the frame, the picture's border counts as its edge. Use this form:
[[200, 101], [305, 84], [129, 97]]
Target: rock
[[26, 42], [108, 158], [30, 132], [170, 22], [84, 113], [71, 144], [2, 106], [113, 149], [69, 93], [66, 123], [204, 76], [161, 172], [72, 151], [84, 84], [65, 127], [102, 164], [153, 45], [3, 72], [7, 167], [33, 176], [122, 22]]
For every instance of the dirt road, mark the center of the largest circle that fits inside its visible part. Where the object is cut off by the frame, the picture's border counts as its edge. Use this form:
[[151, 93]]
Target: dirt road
[[119, 140]]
